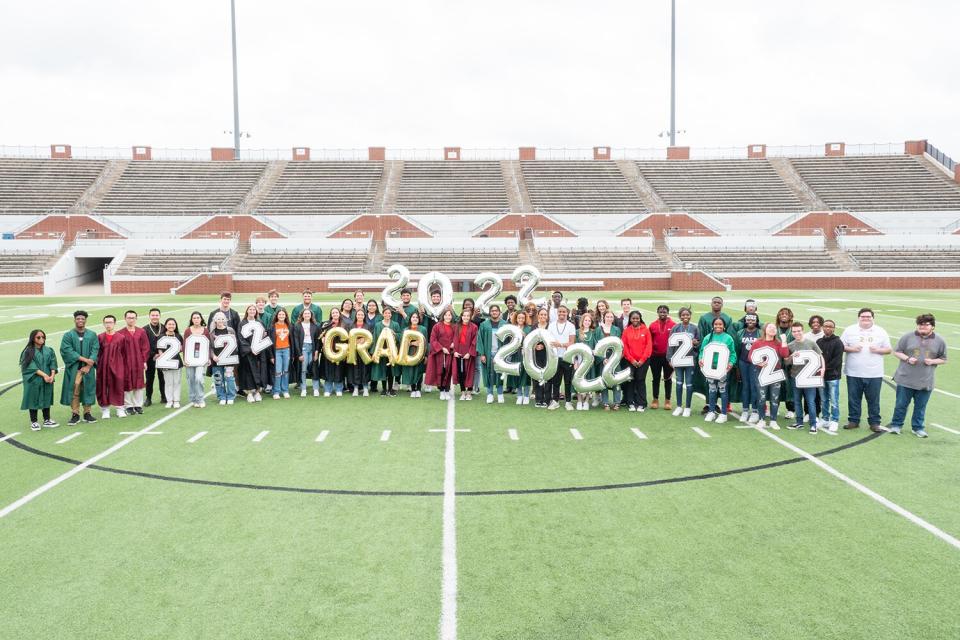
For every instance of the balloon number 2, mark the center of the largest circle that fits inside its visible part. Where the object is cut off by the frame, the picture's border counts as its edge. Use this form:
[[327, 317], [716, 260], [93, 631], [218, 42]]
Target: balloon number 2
[[257, 335], [171, 349], [227, 342], [682, 357], [767, 358], [527, 277], [496, 286], [809, 376]]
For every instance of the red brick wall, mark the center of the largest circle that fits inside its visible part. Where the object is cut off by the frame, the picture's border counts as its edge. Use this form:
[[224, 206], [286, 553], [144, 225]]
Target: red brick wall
[[859, 281], [65, 152], [601, 153], [221, 153], [839, 151], [828, 221], [757, 151], [915, 147], [528, 153], [659, 222], [284, 286], [208, 283], [142, 286], [678, 153], [377, 153], [519, 222], [301, 153], [451, 153], [956, 173], [21, 288], [378, 225], [244, 224], [141, 152], [693, 281], [70, 225]]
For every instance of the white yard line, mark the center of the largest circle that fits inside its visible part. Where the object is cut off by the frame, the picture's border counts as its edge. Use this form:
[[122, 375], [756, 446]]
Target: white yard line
[[10, 508], [260, 436], [196, 437], [946, 393], [323, 435], [75, 434], [947, 429], [385, 435], [513, 434], [9, 435], [701, 432], [448, 592], [915, 519], [639, 434], [576, 434]]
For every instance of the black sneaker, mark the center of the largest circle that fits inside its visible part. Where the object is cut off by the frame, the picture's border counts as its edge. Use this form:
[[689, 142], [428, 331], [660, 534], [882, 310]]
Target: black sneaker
[[74, 420], [51, 424], [34, 426], [796, 425], [392, 393], [88, 418], [813, 429], [383, 392], [148, 402], [139, 410]]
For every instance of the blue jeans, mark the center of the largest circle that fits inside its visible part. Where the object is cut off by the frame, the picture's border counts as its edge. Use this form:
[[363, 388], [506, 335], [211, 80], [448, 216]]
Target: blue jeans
[[904, 396], [715, 387], [810, 395], [195, 383], [615, 392], [856, 389], [749, 389], [329, 386], [226, 385], [305, 366], [830, 400], [281, 375], [769, 392], [684, 376]]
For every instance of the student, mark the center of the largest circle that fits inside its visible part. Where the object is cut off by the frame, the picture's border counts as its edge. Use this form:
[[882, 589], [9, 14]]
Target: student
[[770, 392], [705, 327], [256, 371], [233, 318], [637, 348], [865, 344], [920, 352], [749, 390], [197, 327], [831, 346], [608, 327], [556, 300], [521, 383], [626, 306], [172, 377], [305, 348], [749, 307], [307, 303], [685, 374], [38, 368], [803, 395], [510, 302], [440, 363], [487, 347], [719, 387], [562, 334], [465, 353], [541, 389], [347, 314], [784, 324], [358, 374], [405, 309], [112, 367], [579, 310], [332, 372], [382, 371], [224, 376], [280, 358], [601, 309], [270, 309], [370, 323], [134, 390], [659, 364], [79, 350], [413, 375], [154, 330], [358, 302], [587, 334]]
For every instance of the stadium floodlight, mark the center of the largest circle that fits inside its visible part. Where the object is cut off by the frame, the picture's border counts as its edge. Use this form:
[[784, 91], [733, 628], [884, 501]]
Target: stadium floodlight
[[236, 105]]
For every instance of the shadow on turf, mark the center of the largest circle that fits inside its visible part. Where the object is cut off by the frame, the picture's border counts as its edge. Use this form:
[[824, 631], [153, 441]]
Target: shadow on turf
[[498, 492]]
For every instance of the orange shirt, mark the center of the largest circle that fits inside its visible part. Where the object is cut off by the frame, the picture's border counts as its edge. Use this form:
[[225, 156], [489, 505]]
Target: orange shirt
[[283, 335]]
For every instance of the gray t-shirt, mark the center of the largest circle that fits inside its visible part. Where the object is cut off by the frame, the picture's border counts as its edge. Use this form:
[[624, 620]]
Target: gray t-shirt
[[920, 375], [802, 345]]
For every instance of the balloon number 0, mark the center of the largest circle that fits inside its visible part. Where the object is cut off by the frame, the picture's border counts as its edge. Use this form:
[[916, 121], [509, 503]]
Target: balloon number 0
[[228, 356], [196, 351], [809, 376], [257, 335], [683, 342], [767, 358], [171, 349], [716, 359]]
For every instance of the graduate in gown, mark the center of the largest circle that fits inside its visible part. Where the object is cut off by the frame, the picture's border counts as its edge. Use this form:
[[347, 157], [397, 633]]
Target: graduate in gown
[[383, 370], [487, 347], [38, 367], [135, 385], [440, 354], [254, 370], [413, 375], [465, 353], [79, 350], [358, 375], [111, 367]]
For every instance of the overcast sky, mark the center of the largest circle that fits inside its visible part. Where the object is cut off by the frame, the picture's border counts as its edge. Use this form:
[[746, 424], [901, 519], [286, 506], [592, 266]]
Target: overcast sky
[[491, 73]]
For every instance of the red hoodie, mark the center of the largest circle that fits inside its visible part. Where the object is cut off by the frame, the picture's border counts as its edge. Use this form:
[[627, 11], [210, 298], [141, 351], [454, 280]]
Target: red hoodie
[[660, 331], [637, 344], [776, 345]]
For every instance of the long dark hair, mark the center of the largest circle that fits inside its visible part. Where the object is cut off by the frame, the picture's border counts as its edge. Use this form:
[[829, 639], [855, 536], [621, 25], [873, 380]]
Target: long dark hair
[[26, 357]]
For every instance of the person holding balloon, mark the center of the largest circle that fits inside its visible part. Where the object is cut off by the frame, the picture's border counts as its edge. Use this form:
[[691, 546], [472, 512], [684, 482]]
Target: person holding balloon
[[606, 328], [683, 371], [412, 375], [717, 386]]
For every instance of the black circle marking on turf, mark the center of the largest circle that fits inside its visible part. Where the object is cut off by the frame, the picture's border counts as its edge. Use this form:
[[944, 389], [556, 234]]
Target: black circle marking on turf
[[493, 492]]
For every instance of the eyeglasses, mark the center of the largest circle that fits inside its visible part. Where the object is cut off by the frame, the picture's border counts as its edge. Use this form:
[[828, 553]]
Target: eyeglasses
[[41, 338]]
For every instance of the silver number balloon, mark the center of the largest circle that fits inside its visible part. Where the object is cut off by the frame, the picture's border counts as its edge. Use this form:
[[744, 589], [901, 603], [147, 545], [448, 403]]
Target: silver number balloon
[[401, 274], [684, 345], [171, 349], [716, 358], [540, 374], [526, 285], [580, 381], [511, 339], [767, 358], [496, 286], [446, 292], [257, 335], [611, 350], [809, 376]]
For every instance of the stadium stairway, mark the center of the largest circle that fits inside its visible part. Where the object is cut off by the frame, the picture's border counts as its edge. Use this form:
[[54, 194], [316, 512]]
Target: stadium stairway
[[96, 192], [529, 253], [516, 187], [841, 257], [795, 182], [651, 199], [385, 200], [374, 264], [258, 192], [660, 248]]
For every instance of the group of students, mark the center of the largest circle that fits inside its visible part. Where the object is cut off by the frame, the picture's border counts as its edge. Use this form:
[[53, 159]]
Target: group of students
[[117, 368]]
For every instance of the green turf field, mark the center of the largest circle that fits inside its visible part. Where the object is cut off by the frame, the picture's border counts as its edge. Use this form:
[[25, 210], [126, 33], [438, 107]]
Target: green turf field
[[329, 528]]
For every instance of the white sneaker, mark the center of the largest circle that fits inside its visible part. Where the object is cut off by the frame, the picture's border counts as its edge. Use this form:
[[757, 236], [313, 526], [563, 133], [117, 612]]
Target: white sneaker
[[366, 392], [316, 393], [257, 397], [202, 404], [721, 418], [686, 413], [500, 398], [489, 398], [631, 408], [579, 405], [339, 394], [596, 401], [303, 393], [790, 415], [519, 399], [773, 425], [678, 411], [744, 416], [553, 405], [754, 418], [276, 396], [326, 394], [526, 399], [710, 417], [833, 426], [251, 397], [105, 415], [568, 406], [356, 392], [222, 402], [229, 402], [121, 412], [286, 394], [169, 405], [641, 409], [176, 405]]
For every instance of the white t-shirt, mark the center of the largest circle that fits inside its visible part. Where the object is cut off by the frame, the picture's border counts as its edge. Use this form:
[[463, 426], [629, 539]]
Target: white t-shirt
[[307, 338], [812, 337], [561, 332], [864, 363]]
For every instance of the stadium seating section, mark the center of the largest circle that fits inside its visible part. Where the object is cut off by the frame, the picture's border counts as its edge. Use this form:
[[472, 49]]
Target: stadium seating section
[[753, 261], [577, 261], [170, 264], [907, 260], [43, 185], [571, 186], [323, 187], [452, 187], [286, 263], [19, 265], [455, 262]]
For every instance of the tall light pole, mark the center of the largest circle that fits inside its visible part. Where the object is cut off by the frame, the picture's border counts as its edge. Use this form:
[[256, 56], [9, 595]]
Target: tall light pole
[[673, 73], [236, 101]]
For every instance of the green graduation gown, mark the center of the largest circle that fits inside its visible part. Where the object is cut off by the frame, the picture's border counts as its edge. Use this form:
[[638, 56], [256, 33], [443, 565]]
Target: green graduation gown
[[37, 393], [295, 314], [523, 380], [491, 377], [414, 374], [378, 370], [72, 348]]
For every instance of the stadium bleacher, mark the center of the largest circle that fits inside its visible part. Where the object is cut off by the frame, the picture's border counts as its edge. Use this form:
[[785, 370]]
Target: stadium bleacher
[[178, 187], [573, 186], [556, 260], [28, 185], [465, 187], [169, 264], [323, 187], [455, 261], [22, 264], [907, 259], [327, 262], [758, 261], [720, 186]]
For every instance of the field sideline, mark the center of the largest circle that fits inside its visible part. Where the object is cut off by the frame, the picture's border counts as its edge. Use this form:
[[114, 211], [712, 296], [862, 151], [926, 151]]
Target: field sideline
[[406, 518]]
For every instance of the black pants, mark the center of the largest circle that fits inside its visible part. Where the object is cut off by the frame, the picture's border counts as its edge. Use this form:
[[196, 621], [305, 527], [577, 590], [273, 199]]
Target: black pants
[[541, 391], [635, 393], [388, 383], [33, 414], [658, 365], [153, 372], [564, 373]]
